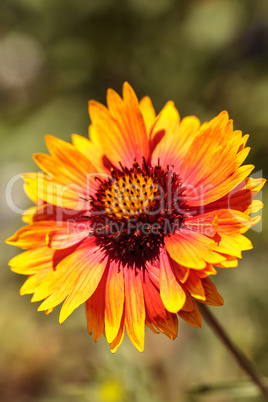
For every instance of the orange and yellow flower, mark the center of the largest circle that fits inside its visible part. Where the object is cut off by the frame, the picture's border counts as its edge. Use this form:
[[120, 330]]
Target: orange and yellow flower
[[134, 221]]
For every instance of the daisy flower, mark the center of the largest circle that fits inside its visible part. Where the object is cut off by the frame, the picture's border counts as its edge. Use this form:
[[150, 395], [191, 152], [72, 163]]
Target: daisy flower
[[134, 221]]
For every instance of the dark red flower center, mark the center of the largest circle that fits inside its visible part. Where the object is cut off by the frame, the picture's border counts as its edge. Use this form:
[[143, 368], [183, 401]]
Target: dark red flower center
[[134, 209]]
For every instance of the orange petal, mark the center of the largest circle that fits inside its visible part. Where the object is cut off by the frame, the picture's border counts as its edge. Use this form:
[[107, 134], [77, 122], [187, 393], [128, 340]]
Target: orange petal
[[156, 312], [108, 136], [240, 198], [171, 292], [213, 298], [223, 221], [180, 271], [168, 120], [34, 281], [136, 122], [192, 317], [195, 287], [66, 165], [95, 307], [178, 136], [48, 212], [40, 187], [30, 213], [233, 245], [90, 149], [255, 206], [70, 158], [32, 236], [231, 262], [218, 143], [134, 305], [192, 250], [243, 142], [85, 285], [209, 270], [119, 337], [38, 263], [61, 173], [148, 113], [32, 261], [114, 300], [203, 193], [231, 222], [205, 224], [76, 278], [67, 234], [189, 303], [120, 131]]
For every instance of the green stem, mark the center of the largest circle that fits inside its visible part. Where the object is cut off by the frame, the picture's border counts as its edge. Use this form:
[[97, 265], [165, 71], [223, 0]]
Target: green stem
[[241, 359]]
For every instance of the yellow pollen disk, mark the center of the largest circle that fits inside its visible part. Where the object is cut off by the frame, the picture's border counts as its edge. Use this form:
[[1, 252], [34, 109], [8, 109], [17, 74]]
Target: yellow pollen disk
[[129, 195]]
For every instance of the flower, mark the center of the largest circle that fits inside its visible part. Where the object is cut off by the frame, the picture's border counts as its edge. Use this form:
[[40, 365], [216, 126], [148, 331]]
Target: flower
[[134, 221]]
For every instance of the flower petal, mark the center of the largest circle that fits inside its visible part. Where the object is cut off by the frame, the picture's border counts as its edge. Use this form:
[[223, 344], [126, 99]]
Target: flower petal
[[148, 113], [134, 307], [233, 245], [120, 131], [66, 163], [213, 298], [192, 250], [76, 277], [95, 307], [192, 317], [169, 120], [32, 236], [171, 292], [178, 136], [218, 143], [119, 337], [32, 261], [180, 271], [156, 312], [240, 198], [194, 286], [34, 281], [90, 149], [68, 234], [85, 285], [206, 224], [41, 187], [231, 262], [114, 300]]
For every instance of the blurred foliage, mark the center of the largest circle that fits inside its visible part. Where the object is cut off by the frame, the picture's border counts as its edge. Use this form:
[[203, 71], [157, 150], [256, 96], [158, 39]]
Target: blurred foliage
[[55, 55]]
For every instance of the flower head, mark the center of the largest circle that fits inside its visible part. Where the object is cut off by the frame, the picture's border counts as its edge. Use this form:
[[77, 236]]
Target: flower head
[[134, 221]]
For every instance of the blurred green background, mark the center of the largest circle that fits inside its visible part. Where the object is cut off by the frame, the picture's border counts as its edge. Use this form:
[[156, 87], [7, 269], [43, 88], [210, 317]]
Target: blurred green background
[[56, 55]]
